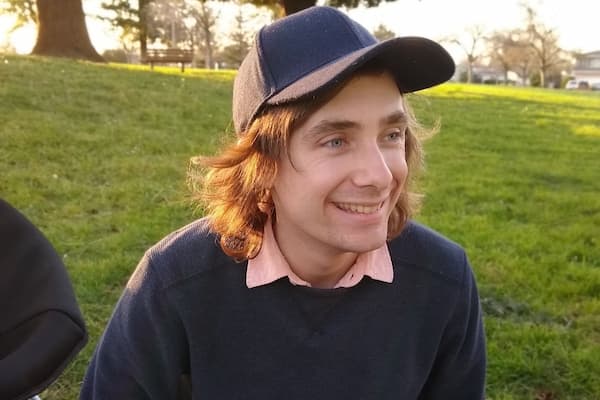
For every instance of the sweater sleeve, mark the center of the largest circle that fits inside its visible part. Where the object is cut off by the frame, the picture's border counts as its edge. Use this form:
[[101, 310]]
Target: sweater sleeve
[[459, 368], [139, 356]]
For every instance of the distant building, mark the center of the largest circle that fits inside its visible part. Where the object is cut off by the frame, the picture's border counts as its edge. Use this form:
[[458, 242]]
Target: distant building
[[486, 74], [587, 67]]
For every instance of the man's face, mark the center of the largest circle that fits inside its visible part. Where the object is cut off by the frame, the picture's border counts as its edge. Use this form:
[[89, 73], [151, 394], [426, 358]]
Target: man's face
[[344, 172]]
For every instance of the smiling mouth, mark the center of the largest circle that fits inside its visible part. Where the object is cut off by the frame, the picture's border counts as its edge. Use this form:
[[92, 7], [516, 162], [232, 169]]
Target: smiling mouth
[[359, 208]]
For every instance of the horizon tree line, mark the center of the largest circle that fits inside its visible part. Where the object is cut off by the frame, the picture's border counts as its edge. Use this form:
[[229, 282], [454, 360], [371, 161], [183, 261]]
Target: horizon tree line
[[530, 50]]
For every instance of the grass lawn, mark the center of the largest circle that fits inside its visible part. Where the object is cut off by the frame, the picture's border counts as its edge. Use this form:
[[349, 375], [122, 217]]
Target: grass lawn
[[96, 156]]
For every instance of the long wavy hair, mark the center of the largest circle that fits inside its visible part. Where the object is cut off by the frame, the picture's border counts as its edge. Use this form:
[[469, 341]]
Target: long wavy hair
[[234, 186]]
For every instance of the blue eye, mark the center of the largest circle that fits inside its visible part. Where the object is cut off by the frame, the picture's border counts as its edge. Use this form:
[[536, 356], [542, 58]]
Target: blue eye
[[337, 142], [396, 135]]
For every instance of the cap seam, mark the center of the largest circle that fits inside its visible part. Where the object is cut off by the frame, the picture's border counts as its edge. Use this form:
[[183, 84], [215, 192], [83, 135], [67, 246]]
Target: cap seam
[[347, 25], [349, 68], [262, 62], [263, 59], [306, 73]]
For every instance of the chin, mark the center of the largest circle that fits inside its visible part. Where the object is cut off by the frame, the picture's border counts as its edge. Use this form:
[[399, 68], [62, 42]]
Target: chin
[[364, 244]]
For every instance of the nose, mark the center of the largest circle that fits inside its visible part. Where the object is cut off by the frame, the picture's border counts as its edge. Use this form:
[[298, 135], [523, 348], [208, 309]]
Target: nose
[[371, 168]]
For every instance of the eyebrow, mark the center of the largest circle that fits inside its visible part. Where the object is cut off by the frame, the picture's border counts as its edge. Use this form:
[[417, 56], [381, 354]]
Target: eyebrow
[[326, 126], [395, 118]]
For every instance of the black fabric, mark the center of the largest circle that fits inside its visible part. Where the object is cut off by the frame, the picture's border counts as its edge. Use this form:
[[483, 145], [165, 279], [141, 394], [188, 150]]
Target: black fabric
[[41, 327], [186, 309], [316, 304]]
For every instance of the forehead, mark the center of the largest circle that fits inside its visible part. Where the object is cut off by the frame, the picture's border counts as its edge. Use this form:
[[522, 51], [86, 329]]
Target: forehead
[[365, 98]]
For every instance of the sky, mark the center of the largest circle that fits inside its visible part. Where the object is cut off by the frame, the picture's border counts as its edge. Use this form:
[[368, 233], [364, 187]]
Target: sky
[[576, 21]]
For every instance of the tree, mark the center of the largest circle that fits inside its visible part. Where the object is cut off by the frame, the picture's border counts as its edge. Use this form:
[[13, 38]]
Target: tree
[[382, 33], [471, 46], [544, 46], [287, 7], [510, 51], [116, 55], [61, 28], [241, 39], [133, 22], [61, 31], [24, 10], [202, 24], [130, 19], [175, 22], [166, 20]]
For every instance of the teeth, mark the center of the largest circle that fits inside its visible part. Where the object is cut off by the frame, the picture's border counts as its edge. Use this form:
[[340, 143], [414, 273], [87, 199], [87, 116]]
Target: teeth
[[358, 208]]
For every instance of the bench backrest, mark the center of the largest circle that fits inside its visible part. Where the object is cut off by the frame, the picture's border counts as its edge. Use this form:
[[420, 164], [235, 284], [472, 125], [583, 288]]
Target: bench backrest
[[169, 55]]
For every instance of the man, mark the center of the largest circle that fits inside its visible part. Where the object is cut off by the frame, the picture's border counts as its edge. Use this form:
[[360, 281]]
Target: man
[[306, 279]]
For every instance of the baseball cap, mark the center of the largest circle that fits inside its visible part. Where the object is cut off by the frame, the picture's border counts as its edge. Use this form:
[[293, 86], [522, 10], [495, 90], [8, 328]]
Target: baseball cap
[[309, 52]]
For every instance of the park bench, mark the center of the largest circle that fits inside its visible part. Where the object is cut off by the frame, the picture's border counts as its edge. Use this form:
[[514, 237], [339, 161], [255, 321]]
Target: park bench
[[165, 56]]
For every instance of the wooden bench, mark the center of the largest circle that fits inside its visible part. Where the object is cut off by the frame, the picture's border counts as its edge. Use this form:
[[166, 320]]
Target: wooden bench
[[165, 56]]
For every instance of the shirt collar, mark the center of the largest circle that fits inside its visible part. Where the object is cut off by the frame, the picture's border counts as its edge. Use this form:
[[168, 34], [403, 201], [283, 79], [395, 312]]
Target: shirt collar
[[270, 265]]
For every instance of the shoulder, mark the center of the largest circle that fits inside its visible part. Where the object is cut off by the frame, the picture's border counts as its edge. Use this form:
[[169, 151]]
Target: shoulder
[[423, 248], [187, 252]]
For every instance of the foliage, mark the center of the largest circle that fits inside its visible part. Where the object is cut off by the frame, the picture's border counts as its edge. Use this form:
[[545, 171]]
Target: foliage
[[382, 33], [166, 20], [116, 55], [96, 156], [175, 23], [152, 19], [287, 7], [205, 19], [354, 3], [543, 42], [24, 10], [511, 51], [471, 46], [241, 39], [531, 51], [129, 19]]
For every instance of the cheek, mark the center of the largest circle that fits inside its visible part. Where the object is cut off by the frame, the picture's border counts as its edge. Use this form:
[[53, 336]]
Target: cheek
[[398, 167]]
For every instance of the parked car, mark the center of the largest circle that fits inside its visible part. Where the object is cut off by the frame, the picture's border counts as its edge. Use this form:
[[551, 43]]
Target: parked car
[[571, 84], [595, 86], [575, 84]]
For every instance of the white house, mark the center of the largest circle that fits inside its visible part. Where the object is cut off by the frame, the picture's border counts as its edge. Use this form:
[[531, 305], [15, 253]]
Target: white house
[[587, 67]]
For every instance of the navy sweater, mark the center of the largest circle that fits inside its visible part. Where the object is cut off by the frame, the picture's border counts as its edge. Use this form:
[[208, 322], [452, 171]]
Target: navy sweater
[[187, 311]]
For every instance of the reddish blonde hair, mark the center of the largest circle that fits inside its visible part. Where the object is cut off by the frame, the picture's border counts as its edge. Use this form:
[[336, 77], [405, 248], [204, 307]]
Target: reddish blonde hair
[[234, 186]]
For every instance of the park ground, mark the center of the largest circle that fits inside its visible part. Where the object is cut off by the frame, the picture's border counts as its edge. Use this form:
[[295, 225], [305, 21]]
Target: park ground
[[96, 156]]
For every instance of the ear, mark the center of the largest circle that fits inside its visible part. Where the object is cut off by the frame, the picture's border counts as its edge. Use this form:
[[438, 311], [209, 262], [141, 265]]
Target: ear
[[265, 202]]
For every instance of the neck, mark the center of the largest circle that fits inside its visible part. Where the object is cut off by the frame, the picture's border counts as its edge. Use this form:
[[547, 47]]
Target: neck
[[320, 273], [322, 268]]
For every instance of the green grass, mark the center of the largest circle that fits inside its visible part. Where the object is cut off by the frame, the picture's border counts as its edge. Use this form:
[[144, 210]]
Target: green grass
[[514, 177], [96, 156]]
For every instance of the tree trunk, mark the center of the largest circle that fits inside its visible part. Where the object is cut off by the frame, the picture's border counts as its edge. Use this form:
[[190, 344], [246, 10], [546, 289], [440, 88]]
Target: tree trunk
[[143, 42], [293, 6], [143, 29], [208, 50], [62, 31], [469, 72]]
